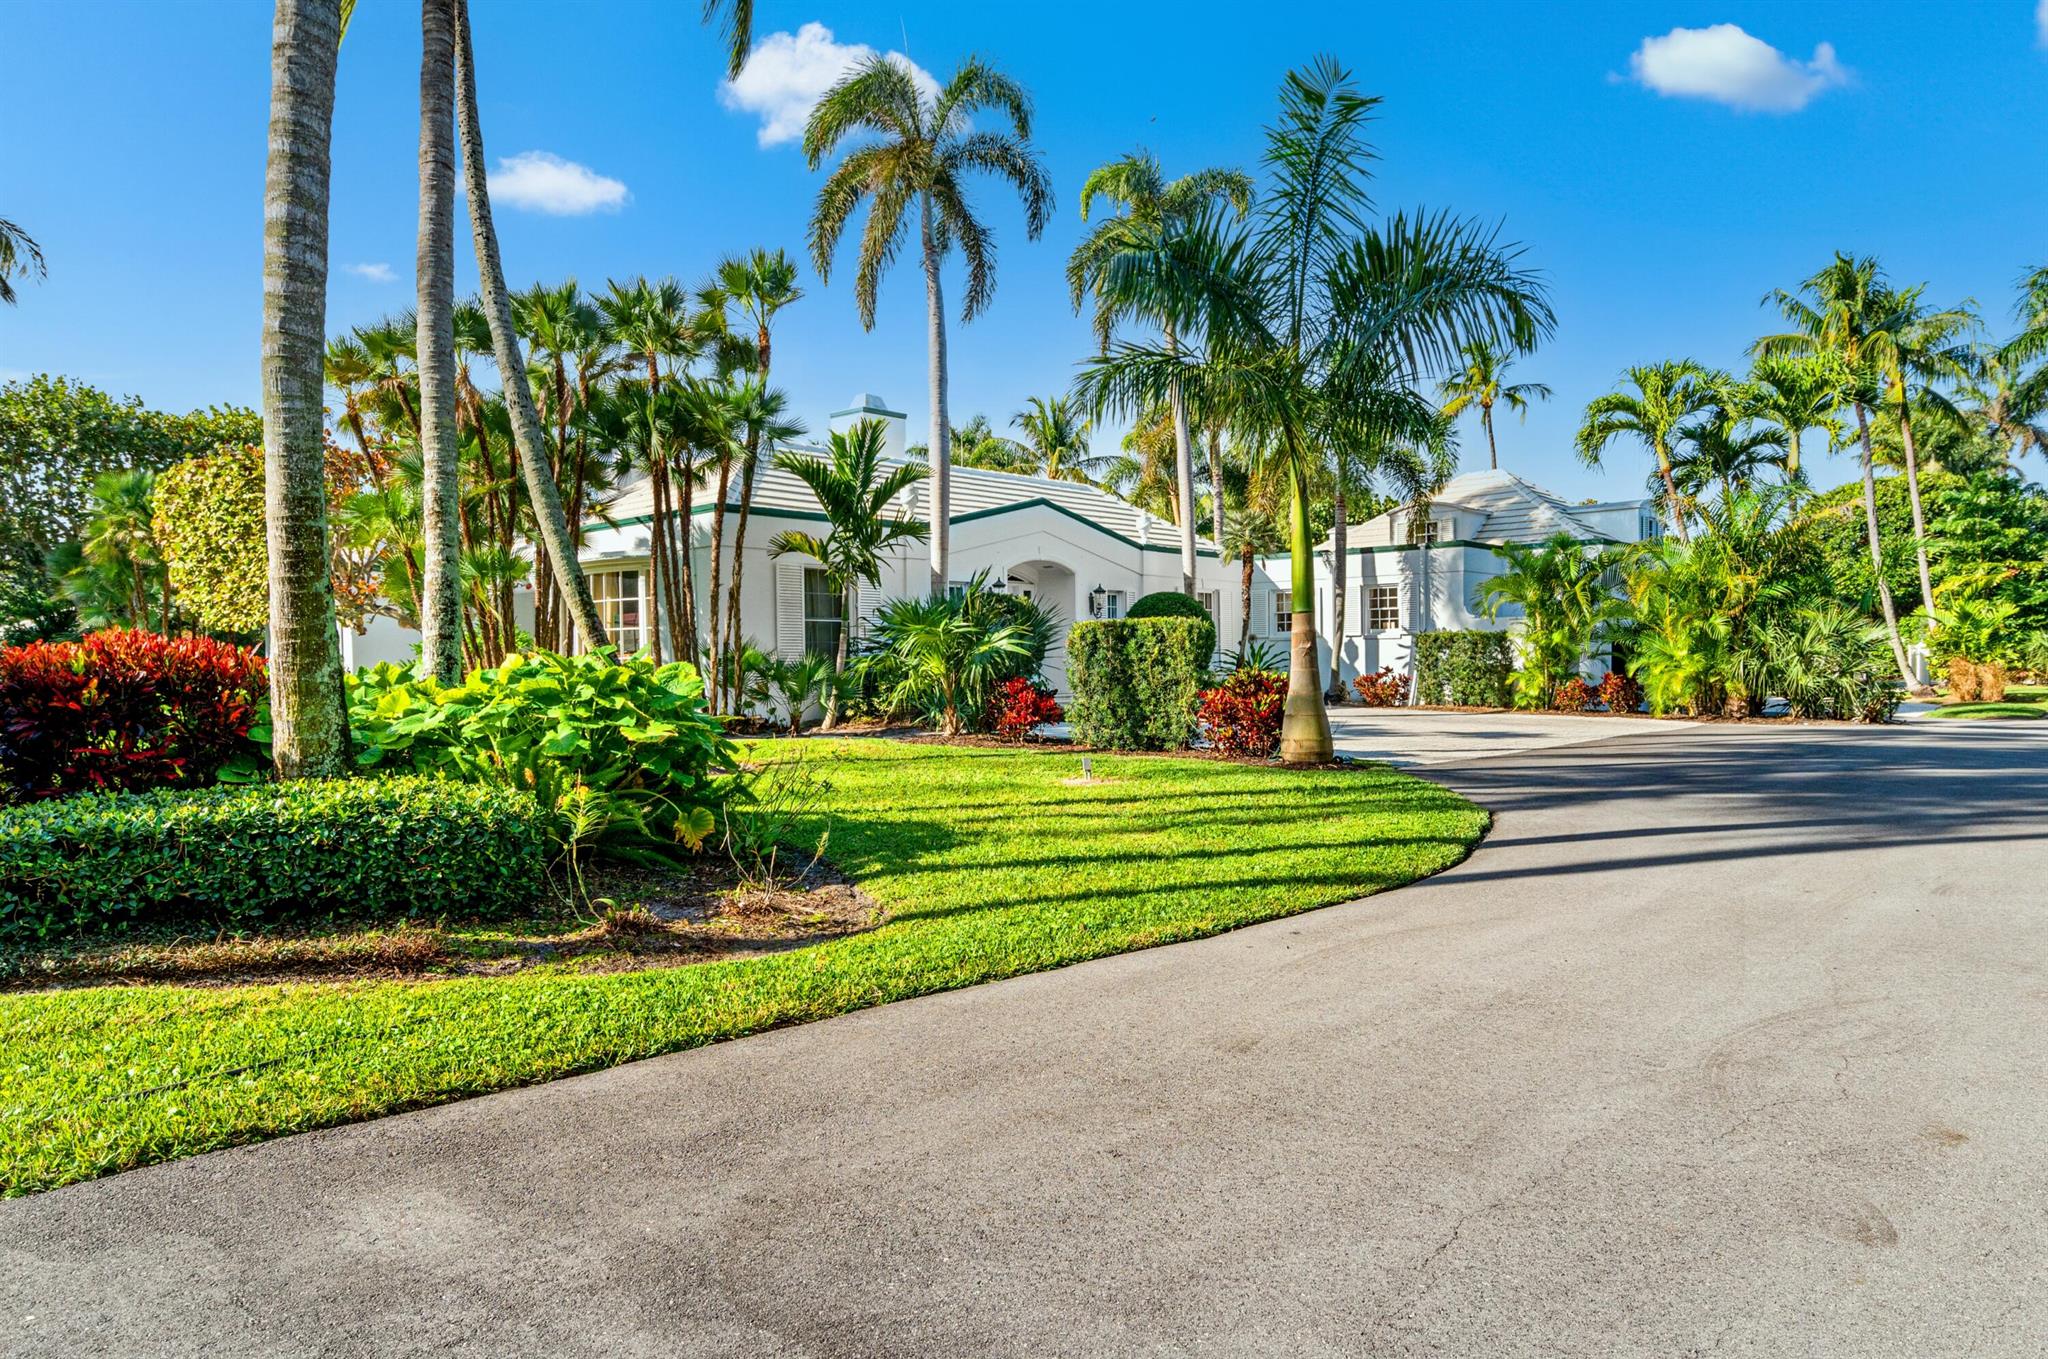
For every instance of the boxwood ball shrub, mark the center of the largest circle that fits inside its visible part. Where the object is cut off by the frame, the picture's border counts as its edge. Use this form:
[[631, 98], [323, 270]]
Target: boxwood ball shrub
[[1465, 668], [370, 848], [1138, 682], [1167, 604]]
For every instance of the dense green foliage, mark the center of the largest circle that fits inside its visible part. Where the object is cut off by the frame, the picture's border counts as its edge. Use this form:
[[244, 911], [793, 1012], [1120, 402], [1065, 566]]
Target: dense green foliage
[[1166, 604], [1467, 669], [1562, 590], [286, 852], [988, 863], [656, 766], [942, 659], [1138, 682]]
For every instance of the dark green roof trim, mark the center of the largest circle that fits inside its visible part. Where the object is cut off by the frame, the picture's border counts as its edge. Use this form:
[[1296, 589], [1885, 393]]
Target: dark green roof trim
[[867, 410]]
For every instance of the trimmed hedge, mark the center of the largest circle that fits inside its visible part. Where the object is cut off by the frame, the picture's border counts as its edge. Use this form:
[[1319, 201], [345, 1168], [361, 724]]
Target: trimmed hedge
[[373, 848], [1470, 669], [1138, 681], [1167, 604]]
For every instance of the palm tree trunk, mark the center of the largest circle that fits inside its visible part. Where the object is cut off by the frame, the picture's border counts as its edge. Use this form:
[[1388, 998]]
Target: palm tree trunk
[[1913, 496], [309, 721], [739, 528], [660, 546], [1884, 591], [1792, 456], [541, 489], [717, 641], [1492, 452], [1338, 542], [1216, 483], [1244, 622], [441, 630], [680, 568], [942, 431], [1671, 495], [1304, 725], [1183, 476]]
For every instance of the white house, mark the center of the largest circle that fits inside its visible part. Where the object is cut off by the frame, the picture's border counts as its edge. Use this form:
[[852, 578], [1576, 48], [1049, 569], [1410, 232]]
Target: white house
[[1083, 552]]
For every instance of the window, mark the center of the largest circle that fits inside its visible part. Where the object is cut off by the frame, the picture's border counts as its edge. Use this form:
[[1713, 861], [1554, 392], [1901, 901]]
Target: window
[[1283, 613], [621, 607], [824, 611], [1428, 533], [1382, 608], [1106, 604], [956, 589], [1208, 599]]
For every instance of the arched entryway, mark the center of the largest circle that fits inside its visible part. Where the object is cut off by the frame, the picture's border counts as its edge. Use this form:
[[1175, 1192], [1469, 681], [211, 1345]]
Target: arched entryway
[[1052, 585]]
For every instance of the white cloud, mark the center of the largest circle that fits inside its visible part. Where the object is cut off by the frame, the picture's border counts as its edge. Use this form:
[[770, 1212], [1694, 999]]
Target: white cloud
[[375, 273], [1728, 66], [788, 72], [2041, 21], [543, 182]]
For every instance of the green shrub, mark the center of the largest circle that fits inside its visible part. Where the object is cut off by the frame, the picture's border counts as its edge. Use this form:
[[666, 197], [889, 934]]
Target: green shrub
[[658, 766], [1138, 682], [372, 848], [1470, 669], [1167, 604]]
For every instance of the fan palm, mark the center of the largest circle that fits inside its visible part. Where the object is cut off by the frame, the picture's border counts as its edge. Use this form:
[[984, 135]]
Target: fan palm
[[1056, 435], [854, 491], [1130, 266], [1665, 396], [20, 256], [1319, 326], [924, 151], [949, 657], [1479, 384]]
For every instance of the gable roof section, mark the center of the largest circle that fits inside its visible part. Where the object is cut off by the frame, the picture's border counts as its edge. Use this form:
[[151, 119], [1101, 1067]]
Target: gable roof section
[[1512, 511]]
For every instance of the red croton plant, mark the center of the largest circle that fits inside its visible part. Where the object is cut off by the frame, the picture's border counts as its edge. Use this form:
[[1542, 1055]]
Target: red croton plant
[[1241, 716], [1018, 706], [124, 709]]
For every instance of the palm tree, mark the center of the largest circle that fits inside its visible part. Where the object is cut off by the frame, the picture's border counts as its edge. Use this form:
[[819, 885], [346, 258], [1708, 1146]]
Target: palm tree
[[1722, 448], [551, 522], [1563, 593], [1795, 394], [1480, 385], [854, 492], [1666, 395], [1319, 326], [309, 723], [440, 607], [2020, 395], [119, 544], [1133, 268], [759, 418], [1056, 436], [20, 256], [759, 284], [923, 154]]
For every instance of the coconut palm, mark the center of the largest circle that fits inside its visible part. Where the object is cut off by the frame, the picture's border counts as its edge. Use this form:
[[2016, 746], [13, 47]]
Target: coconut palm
[[550, 520], [440, 606], [1056, 436], [2009, 404], [1319, 326], [1666, 395], [924, 152], [1130, 266], [309, 725], [20, 256], [1479, 384], [854, 491]]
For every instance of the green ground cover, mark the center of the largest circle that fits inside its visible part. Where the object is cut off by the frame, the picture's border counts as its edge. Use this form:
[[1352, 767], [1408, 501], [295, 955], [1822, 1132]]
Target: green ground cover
[[987, 863]]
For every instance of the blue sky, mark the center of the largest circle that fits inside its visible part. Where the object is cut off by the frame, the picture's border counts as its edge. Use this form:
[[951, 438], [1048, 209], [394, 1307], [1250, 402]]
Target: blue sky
[[1659, 212]]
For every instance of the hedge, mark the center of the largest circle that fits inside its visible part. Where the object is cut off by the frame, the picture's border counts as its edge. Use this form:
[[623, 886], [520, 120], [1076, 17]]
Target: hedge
[[1471, 669], [1167, 604], [373, 848], [1138, 682]]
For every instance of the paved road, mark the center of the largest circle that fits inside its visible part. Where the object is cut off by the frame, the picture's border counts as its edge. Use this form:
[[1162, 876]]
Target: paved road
[[1728, 1041], [1426, 737]]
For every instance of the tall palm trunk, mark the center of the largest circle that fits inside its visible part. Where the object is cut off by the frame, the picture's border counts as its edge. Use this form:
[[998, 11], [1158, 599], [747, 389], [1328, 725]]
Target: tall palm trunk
[[718, 643], [1244, 621], [848, 600], [1339, 535], [1304, 725], [1913, 496], [681, 570], [434, 347], [1671, 492], [942, 430], [1792, 456], [1183, 476], [1216, 483], [1486, 419], [541, 489], [309, 721], [739, 528], [1884, 591]]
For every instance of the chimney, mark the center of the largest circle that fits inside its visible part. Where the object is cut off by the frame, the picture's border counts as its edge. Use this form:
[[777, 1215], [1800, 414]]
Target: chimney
[[868, 406]]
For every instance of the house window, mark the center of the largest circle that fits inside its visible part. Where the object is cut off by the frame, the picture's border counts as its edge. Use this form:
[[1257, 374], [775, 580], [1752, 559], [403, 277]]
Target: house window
[[1382, 608], [1106, 604], [621, 607], [824, 611], [1426, 532], [956, 589], [1283, 613], [1209, 600]]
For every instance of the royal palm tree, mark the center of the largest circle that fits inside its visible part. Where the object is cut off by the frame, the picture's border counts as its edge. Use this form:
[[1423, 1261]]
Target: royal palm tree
[[1132, 267], [1056, 436], [1319, 327], [1666, 395], [309, 725], [1480, 384], [854, 491], [20, 256], [440, 606], [550, 521], [918, 166]]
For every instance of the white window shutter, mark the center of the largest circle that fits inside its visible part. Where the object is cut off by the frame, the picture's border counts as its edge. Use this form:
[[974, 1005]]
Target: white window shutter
[[789, 611], [867, 602]]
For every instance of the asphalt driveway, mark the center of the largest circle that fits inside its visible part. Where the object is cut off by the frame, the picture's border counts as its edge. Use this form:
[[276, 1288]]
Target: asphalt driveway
[[1728, 1040]]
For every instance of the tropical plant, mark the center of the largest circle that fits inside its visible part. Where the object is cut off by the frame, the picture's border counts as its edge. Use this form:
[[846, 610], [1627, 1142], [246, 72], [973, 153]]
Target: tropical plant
[[1056, 439], [1020, 706], [1479, 384], [925, 150], [1794, 394], [1241, 716], [1826, 662], [1565, 595], [1666, 395], [1723, 448], [950, 660], [119, 548], [1383, 688], [854, 491], [20, 257], [811, 680]]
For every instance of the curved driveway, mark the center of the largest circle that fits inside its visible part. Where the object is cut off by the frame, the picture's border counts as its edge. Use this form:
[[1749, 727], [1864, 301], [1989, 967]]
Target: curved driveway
[[1728, 1040]]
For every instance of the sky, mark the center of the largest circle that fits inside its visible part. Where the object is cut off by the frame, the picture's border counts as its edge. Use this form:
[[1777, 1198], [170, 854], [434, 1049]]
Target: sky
[[1663, 165]]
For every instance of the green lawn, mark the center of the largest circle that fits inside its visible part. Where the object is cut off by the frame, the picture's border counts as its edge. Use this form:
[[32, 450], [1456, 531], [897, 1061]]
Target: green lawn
[[987, 863], [2021, 700]]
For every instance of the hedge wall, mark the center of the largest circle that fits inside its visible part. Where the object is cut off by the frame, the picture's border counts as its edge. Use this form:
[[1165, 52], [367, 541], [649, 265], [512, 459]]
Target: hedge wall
[[1138, 682], [1470, 669], [379, 848]]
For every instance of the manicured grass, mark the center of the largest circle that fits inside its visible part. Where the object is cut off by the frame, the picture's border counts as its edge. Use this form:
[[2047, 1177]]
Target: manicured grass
[[2007, 709], [988, 864]]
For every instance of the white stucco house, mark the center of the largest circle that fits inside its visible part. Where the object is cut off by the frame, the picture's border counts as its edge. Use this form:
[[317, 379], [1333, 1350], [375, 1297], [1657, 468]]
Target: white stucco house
[[1085, 553]]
